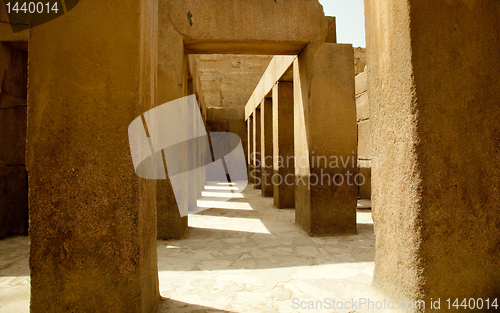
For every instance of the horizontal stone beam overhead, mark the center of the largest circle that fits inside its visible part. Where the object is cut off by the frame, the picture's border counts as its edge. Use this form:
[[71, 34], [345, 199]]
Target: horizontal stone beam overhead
[[248, 26], [277, 68]]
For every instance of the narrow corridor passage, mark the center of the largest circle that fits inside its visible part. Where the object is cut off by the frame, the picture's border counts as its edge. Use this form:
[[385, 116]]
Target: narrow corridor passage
[[245, 255]]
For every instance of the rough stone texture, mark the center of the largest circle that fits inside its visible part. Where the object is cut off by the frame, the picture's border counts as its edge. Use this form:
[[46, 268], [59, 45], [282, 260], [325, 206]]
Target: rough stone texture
[[13, 178], [325, 126], [248, 26], [92, 220], [256, 172], [172, 84], [364, 143], [232, 78], [170, 224], [364, 146], [284, 193], [359, 60], [266, 124], [433, 87]]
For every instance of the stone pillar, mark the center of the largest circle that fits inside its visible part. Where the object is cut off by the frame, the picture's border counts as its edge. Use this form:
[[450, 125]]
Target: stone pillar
[[436, 140], [92, 219], [251, 179], [325, 140], [172, 84], [283, 137], [256, 172], [266, 126]]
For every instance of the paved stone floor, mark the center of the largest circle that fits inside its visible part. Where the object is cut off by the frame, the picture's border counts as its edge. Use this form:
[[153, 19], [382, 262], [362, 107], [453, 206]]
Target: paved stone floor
[[243, 255]]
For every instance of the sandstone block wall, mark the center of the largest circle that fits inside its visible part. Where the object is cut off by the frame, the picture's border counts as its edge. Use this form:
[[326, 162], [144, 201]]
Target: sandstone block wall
[[364, 142], [359, 60], [13, 106]]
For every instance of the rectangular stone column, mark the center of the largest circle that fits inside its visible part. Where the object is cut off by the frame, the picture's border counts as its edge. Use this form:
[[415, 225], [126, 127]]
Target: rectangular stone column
[[266, 126], [325, 140], [256, 172], [172, 84], [92, 219], [283, 142], [251, 179], [434, 113]]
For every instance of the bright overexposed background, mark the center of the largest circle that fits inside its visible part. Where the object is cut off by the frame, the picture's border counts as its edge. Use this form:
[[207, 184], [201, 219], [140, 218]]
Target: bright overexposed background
[[350, 16]]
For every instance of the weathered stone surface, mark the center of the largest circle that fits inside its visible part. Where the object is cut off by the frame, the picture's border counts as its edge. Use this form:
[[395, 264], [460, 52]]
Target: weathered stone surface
[[364, 142], [172, 84], [332, 30], [248, 26], [325, 126], [434, 114], [230, 79], [362, 107], [92, 219], [359, 60], [170, 224], [266, 124], [283, 152], [361, 83]]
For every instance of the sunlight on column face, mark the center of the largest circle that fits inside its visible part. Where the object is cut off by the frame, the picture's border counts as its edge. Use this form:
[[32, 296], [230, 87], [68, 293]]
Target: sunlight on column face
[[364, 218], [228, 223]]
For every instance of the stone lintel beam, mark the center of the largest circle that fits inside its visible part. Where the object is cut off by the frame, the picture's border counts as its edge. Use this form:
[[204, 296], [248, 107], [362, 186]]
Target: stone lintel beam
[[248, 26], [278, 66]]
